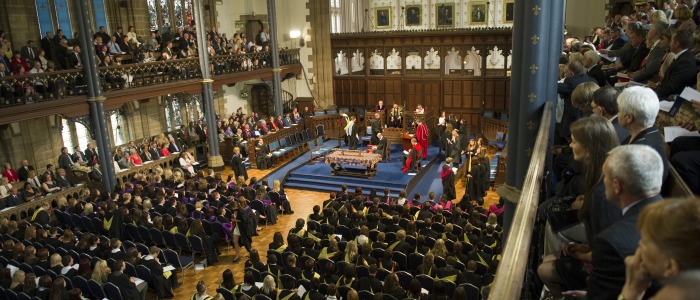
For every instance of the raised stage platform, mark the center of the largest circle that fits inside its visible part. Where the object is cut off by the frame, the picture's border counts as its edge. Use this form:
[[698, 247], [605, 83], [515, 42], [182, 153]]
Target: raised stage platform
[[316, 175]]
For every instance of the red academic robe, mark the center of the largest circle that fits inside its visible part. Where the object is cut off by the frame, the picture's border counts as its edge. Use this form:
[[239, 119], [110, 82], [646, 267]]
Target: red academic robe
[[417, 149], [422, 138]]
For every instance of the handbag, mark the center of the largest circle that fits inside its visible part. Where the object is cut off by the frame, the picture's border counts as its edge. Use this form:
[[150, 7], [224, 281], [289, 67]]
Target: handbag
[[560, 215]]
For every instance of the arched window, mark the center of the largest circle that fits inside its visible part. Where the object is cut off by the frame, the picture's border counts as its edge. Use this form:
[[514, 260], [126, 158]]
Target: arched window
[[159, 16], [173, 118], [117, 129], [66, 134], [82, 134], [335, 16]]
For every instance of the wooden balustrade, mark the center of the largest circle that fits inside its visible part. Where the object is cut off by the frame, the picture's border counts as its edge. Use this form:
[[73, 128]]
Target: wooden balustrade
[[490, 127], [25, 210], [150, 167], [331, 125], [269, 138]]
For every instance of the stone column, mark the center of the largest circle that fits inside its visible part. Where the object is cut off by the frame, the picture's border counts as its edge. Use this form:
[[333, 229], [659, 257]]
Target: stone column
[[214, 159], [274, 52], [95, 98], [537, 37]]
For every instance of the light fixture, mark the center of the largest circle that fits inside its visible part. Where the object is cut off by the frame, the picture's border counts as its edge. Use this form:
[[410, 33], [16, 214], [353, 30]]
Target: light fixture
[[296, 34]]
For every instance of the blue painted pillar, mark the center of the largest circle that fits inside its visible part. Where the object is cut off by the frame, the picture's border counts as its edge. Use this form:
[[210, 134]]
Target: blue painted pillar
[[537, 38]]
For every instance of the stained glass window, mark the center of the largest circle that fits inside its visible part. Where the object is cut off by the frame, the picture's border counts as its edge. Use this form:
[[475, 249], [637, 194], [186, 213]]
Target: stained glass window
[[178, 13], [189, 12], [165, 12], [152, 15]]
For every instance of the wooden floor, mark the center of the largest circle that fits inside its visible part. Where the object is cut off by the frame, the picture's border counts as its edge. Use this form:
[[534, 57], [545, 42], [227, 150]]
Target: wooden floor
[[302, 203]]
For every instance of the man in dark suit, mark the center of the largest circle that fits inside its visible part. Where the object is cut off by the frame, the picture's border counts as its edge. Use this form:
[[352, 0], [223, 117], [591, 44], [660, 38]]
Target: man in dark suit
[[153, 150], [181, 136], [575, 75], [90, 154], [14, 198], [50, 170], [23, 171], [199, 128], [62, 180], [95, 174], [682, 72], [604, 104], [173, 147], [649, 70], [125, 283], [376, 129], [638, 42], [64, 160], [591, 61], [618, 37], [74, 60], [28, 52], [632, 179], [46, 44], [79, 156], [637, 110]]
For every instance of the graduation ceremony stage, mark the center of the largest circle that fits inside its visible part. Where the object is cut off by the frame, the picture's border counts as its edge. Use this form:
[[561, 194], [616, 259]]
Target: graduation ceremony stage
[[306, 174]]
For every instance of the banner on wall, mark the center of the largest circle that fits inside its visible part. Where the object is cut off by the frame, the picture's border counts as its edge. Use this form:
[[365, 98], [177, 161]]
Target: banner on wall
[[98, 6], [43, 12], [63, 18]]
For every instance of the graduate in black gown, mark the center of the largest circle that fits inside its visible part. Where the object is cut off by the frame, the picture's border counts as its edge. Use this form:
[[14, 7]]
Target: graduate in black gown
[[237, 164], [478, 181], [263, 158], [448, 180]]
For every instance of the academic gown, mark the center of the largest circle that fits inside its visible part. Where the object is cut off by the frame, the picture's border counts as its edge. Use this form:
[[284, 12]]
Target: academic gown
[[448, 182]]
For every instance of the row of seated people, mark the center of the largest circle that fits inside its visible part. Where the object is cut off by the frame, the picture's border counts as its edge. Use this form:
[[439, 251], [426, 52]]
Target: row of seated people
[[201, 206], [331, 249], [51, 253]]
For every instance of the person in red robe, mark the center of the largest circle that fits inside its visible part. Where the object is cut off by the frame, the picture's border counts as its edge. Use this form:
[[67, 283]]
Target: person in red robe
[[412, 158], [422, 137]]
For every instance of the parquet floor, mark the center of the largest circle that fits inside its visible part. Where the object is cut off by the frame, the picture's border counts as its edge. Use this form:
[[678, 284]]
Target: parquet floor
[[302, 203]]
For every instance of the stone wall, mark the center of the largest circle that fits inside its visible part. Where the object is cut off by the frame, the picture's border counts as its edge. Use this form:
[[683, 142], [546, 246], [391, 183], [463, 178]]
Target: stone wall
[[36, 140], [21, 19]]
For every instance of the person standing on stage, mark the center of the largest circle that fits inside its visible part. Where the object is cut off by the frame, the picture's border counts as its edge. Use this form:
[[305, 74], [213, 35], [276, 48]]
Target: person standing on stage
[[344, 121], [448, 180], [422, 136], [396, 116], [351, 132], [376, 128]]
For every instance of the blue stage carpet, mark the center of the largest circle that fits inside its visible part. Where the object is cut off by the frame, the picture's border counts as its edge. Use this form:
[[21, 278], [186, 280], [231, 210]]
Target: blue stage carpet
[[315, 175]]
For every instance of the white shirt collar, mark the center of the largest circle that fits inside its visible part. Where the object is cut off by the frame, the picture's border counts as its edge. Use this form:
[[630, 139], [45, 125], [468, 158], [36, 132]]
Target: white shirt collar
[[627, 208]]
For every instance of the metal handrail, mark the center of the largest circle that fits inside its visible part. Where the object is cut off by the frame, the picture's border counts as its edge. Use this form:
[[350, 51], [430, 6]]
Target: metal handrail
[[510, 275]]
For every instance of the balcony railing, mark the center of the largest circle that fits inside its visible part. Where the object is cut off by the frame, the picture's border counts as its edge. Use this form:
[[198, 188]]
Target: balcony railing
[[47, 86]]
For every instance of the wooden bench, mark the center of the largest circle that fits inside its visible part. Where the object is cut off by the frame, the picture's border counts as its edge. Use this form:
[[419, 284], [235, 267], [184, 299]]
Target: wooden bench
[[288, 134], [490, 128]]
